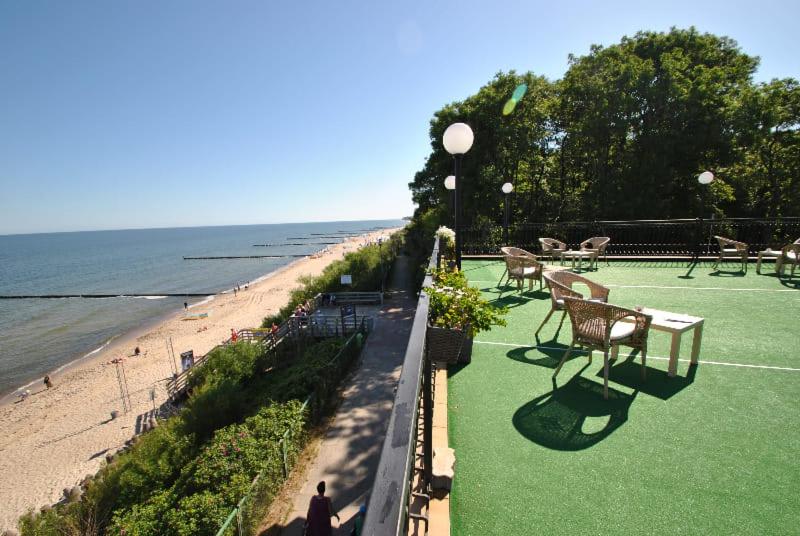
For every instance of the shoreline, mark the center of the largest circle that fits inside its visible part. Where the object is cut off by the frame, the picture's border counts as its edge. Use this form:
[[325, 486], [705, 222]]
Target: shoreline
[[35, 385], [57, 436]]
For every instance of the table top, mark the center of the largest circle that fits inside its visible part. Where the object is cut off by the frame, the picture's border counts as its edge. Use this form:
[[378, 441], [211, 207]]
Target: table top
[[579, 253], [666, 321], [770, 252]]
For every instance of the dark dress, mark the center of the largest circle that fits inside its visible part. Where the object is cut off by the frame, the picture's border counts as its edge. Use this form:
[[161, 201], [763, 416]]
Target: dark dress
[[319, 516]]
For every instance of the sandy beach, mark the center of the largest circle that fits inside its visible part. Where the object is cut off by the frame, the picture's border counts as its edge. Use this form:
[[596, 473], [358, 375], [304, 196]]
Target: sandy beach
[[57, 436]]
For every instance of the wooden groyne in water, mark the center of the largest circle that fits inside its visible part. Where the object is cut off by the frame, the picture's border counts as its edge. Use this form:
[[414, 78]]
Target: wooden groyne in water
[[293, 244], [243, 257]]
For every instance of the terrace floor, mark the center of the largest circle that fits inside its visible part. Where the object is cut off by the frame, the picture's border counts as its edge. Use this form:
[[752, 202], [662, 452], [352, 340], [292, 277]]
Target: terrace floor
[[712, 451]]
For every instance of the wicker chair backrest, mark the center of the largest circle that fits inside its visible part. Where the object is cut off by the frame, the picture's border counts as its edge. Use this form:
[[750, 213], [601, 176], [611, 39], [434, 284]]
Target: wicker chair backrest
[[596, 242], [551, 244], [519, 252], [726, 242], [794, 248], [568, 279], [592, 322]]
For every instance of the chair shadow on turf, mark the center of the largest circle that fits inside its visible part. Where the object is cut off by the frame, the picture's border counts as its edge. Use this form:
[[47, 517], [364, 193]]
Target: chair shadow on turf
[[657, 384], [727, 273], [574, 416], [547, 356], [516, 299]]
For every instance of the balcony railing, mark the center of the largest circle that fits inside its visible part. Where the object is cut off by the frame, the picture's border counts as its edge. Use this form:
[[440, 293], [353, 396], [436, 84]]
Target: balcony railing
[[387, 514], [641, 237]]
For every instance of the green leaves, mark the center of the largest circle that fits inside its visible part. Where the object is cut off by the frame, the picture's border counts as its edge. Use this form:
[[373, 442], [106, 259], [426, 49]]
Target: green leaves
[[623, 135], [455, 305]]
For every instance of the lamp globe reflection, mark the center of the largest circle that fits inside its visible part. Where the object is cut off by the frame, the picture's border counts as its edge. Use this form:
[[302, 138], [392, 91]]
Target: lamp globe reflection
[[458, 138], [450, 182]]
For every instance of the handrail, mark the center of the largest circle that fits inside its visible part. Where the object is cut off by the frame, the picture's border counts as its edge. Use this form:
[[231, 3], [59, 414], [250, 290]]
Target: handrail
[[388, 502], [317, 326]]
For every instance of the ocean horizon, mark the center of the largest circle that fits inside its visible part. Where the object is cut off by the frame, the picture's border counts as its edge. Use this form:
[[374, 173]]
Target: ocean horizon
[[39, 336]]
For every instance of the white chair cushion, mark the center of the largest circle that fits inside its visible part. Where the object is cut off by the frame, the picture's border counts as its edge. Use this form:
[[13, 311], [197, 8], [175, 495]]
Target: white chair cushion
[[622, 330]]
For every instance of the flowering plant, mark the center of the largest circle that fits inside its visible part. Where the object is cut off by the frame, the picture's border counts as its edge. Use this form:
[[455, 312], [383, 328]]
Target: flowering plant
[[447, 240], [456, 305]]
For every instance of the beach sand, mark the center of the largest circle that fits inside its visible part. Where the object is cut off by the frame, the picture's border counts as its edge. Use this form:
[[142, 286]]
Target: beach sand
[[56, 437]]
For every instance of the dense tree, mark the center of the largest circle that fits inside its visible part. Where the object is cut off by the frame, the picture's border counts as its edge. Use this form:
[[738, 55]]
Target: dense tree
[[624, 134]]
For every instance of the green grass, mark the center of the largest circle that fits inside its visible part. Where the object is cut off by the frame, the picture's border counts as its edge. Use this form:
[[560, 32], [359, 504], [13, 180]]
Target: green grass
[[712, 451]]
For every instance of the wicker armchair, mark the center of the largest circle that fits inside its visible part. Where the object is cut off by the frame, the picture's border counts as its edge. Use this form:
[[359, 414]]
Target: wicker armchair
[[596, 326], [731, 249], [560, 285], [516, 252], [552, 248], [521, 268], [790, 254], [597, 245]]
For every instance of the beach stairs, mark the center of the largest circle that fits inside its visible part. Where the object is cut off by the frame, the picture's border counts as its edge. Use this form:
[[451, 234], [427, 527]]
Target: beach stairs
[[323, 320]]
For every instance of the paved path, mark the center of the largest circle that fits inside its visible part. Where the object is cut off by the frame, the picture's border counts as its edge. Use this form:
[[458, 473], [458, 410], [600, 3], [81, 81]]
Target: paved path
[[349, 454]]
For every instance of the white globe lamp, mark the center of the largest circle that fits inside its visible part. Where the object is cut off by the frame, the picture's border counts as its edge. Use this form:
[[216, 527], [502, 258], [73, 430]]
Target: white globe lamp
[[705, 177], [458, 138]]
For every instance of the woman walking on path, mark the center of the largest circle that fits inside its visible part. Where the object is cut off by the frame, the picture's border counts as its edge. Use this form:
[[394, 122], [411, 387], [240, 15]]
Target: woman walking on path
[[320, 511]]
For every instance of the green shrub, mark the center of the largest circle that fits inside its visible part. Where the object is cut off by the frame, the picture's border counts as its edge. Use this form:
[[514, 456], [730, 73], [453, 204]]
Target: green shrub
[[185, 476], [364, 265]]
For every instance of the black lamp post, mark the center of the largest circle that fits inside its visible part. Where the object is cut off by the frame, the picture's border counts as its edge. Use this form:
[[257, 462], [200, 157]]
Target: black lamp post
[[507, 189], [457, 140], [705, 178], [450, 184]]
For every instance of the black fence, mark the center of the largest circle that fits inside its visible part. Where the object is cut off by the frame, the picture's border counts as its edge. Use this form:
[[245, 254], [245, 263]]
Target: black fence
[[640, 237]]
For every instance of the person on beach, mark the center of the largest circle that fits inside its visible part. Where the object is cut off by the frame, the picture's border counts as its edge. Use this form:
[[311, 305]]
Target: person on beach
[[320, 512], [136, 351], [185, 306], [47, 382], [234, 336]]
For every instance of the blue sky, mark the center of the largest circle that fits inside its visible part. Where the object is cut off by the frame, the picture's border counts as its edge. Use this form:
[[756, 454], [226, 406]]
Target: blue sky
[[157, 114]]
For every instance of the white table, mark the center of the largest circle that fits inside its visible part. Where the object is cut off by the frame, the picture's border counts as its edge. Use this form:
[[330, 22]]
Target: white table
[[580, 255], [677, 325], [770, 254]]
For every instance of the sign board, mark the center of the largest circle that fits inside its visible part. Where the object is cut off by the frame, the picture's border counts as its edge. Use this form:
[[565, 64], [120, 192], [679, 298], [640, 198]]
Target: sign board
[[187, 359], [347, 279]]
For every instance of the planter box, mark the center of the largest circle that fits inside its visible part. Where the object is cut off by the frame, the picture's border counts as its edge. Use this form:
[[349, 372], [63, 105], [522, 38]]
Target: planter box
[[448, 345]]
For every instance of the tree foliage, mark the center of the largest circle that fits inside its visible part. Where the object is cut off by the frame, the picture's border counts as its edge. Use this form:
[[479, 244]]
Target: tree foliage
[[624, 134]]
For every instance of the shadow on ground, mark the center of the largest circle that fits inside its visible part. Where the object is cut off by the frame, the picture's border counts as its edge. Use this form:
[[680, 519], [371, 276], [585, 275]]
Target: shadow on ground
[[574, 416], [547, 356], [657, 384]]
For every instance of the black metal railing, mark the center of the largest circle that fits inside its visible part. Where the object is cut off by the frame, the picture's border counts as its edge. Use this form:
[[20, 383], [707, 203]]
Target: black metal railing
[[387, 514], [633, 238]]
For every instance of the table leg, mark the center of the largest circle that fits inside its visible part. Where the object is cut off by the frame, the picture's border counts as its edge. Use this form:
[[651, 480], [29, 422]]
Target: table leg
[[614, 352], [758, 263], [698, 336], [673, 355]]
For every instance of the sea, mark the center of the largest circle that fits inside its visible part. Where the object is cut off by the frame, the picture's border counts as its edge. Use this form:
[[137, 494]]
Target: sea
[[41, 336]]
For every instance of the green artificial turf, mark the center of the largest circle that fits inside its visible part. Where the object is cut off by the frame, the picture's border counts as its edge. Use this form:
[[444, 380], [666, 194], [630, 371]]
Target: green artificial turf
[[712, 451]]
